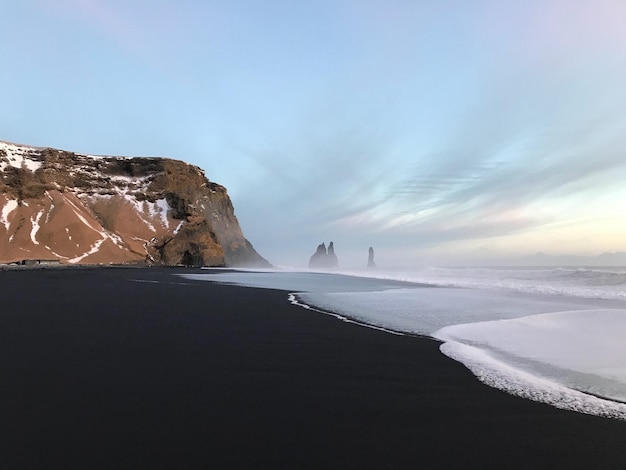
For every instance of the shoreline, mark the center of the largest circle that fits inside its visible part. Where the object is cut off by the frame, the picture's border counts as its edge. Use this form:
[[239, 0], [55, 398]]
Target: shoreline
[[103, 372], [608, 408]]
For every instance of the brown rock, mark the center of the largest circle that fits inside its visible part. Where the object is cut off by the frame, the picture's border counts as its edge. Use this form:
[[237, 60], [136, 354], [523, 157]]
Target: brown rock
[[86, 209]]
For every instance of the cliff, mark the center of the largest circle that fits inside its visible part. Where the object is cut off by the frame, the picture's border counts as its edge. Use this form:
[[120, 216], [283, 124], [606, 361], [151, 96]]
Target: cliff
[[89, 209]]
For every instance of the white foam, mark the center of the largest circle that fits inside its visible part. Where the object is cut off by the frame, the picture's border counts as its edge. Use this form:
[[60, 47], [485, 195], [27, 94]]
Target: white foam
[[547, 347], [501, 375], [595, 283], [423, 310], [584, 349]]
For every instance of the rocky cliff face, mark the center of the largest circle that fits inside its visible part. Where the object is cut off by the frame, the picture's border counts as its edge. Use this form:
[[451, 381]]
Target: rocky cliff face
[[92, 209]]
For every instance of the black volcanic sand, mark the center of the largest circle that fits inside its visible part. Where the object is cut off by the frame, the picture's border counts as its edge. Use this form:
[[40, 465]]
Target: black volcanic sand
[[99, 370]]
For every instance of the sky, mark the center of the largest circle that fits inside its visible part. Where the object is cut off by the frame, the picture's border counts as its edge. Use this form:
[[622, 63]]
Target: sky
[[438, 132]]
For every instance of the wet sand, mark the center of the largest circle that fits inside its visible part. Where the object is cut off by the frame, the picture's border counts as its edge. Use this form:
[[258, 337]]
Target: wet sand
[[138, 368]]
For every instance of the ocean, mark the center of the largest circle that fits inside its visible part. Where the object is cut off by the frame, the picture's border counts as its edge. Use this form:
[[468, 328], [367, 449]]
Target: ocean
[[555, 335]]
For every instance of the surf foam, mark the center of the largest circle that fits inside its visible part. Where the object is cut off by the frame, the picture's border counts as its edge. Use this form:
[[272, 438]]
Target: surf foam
[[550, 347]]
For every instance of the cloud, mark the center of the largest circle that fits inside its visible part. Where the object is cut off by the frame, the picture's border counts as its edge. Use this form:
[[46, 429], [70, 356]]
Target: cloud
[[503, 170], [418, 125]]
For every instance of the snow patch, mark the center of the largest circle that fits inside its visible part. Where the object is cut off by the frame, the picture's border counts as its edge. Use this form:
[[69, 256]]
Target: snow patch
[[18, 157], [94, 249], [49, 214], [9, 207], [35, 226], [177, 229], [76, 211], [159, 208], [116, 239], [56, 254], [139, 208]]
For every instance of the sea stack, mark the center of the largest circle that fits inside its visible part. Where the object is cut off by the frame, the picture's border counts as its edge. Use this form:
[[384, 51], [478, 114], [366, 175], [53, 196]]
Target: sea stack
[[319, 257], [331, 257], [370, 259], [324, 259]]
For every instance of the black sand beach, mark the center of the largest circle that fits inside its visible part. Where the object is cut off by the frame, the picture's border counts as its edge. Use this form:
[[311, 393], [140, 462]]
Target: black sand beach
[[137, 368]]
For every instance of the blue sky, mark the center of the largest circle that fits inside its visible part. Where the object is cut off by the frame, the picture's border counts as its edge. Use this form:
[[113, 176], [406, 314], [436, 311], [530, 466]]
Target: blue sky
[[435, 131]]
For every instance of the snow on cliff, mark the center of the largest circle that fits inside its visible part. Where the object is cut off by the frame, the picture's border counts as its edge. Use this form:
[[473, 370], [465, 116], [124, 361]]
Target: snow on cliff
[[87, 209], [18, 156]]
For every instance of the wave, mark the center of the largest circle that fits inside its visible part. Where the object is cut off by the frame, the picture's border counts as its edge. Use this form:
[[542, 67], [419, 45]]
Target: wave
[[592, 283], [575, 312], [503, 376]]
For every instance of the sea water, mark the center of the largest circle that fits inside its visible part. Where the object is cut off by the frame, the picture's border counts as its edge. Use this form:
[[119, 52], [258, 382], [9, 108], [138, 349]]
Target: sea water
[[556, 335]]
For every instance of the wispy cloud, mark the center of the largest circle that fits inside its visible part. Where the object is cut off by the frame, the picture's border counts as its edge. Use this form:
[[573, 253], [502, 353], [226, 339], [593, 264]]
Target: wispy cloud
[[415, 125]]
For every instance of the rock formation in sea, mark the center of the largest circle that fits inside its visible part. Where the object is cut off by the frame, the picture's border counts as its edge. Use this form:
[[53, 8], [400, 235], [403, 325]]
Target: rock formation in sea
[[318, 258], [370, 258], [331, 257], [323, 258], [89, 209]]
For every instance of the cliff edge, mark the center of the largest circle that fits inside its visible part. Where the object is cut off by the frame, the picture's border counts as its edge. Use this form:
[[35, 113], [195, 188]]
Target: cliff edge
[[88, 209]]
